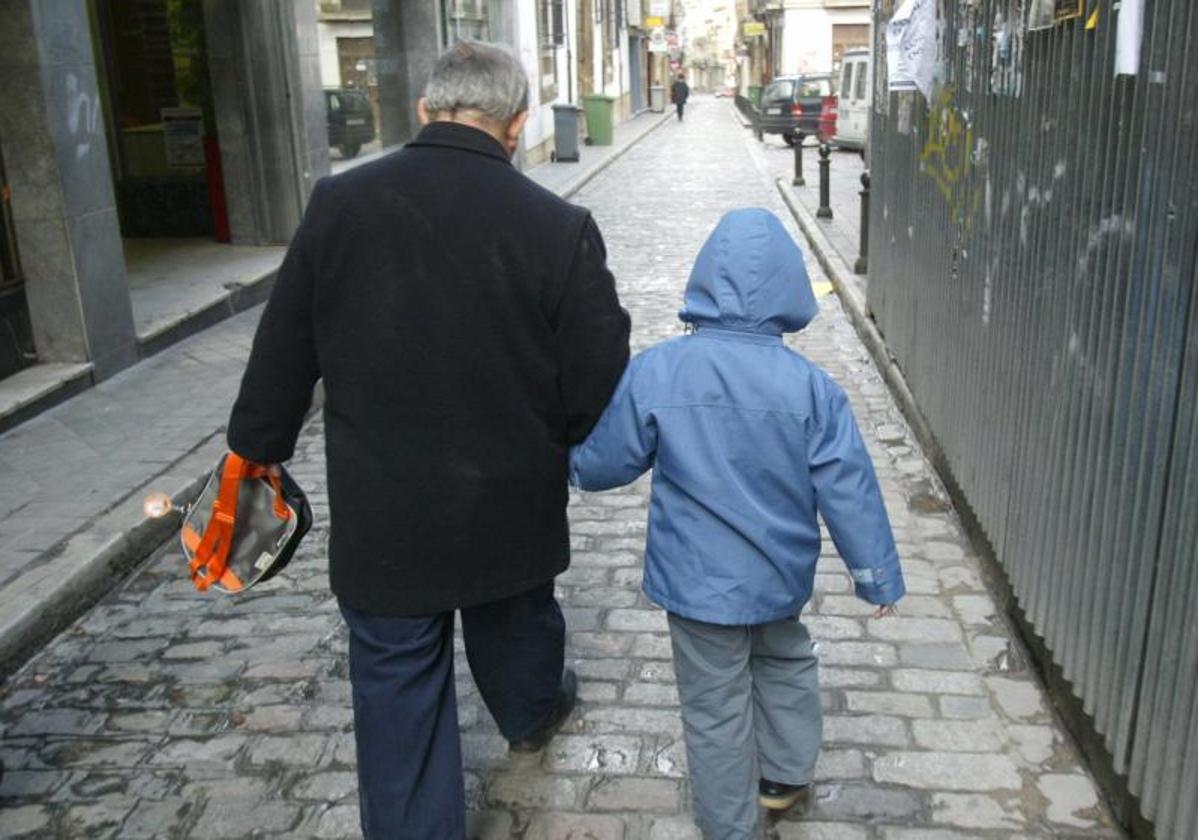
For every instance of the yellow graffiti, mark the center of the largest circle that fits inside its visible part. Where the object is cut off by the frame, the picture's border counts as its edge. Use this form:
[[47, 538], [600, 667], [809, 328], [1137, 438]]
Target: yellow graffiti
[[947, 157]]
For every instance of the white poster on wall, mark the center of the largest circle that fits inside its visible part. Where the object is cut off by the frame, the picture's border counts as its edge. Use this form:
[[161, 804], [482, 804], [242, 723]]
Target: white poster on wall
[[911, 47], [1128, 36]]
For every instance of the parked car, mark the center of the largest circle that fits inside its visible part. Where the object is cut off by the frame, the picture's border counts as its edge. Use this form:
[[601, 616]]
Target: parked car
[[350, 120], [798, 106], [856, 91]]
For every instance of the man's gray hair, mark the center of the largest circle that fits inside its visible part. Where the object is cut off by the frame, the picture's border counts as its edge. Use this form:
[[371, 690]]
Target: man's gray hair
[[484, 77]]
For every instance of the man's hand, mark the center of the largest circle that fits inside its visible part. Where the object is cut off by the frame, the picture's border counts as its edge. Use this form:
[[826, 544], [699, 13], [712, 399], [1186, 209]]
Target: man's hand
[[886, 610]]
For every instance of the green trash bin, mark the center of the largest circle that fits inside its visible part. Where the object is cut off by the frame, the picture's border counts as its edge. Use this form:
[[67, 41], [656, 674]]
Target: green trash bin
[[599, 110]]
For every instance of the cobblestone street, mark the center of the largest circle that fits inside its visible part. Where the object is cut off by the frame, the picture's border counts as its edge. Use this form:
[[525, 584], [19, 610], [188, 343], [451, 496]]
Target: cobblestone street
[[167, 713]]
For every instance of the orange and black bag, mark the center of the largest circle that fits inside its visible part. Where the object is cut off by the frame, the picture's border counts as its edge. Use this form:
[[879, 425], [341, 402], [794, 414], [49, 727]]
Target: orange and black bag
[[245, 526]]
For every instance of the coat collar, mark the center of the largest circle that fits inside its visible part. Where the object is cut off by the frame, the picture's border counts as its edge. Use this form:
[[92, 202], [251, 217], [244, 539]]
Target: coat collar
[[457, 136]]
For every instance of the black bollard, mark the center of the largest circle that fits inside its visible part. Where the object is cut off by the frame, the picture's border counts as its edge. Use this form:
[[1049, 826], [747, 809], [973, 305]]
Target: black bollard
[[799, 180], [825, 204], [862, 264]]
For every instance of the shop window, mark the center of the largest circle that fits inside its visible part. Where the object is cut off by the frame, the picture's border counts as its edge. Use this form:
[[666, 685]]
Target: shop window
[[465, 20], [551, 35]]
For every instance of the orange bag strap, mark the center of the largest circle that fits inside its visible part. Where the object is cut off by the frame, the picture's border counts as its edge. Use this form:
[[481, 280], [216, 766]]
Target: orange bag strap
[[212, 554], [212, 550]]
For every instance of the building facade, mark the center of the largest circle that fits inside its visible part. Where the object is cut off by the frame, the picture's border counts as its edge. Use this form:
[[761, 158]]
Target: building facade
[[155, 155]]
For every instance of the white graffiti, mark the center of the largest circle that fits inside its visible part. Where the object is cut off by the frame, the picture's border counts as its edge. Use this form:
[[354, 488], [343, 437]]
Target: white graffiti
[[83, 116]]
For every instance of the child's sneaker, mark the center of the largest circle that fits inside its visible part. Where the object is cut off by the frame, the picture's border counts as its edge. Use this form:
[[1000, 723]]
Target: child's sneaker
[[779, 797]]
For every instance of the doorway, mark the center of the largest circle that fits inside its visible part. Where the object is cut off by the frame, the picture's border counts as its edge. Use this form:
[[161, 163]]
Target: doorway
[[16, 332]]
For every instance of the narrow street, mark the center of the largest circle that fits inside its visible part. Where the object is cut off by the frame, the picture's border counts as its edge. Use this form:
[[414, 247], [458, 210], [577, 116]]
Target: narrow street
[[166, 713]]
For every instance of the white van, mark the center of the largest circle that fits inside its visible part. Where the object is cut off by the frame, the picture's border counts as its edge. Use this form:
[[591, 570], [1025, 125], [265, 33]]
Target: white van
[[856, 93]]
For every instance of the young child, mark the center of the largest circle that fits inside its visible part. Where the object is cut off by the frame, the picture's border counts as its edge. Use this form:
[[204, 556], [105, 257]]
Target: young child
[[748, 441]]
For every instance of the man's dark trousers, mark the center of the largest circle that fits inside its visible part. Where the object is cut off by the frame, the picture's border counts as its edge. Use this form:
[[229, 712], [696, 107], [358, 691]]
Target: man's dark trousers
[[405, 706]]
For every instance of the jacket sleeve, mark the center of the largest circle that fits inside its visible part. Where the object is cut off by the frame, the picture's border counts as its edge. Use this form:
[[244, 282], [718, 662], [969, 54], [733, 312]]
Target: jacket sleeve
[[849, 498], [622, 445], [276, 388], [592, 335]]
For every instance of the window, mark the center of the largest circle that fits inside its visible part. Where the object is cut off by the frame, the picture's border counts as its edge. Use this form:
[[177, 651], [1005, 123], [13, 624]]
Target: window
[[859, 91], [464, 20], [846, 80], [550, 35]]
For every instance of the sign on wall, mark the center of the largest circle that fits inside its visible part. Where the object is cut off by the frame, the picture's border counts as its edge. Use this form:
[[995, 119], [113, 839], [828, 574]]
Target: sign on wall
[[183, 136], [1044, 14], [754, 29]]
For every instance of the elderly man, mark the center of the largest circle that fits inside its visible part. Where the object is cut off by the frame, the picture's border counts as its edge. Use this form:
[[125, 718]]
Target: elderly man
[[468, 332]]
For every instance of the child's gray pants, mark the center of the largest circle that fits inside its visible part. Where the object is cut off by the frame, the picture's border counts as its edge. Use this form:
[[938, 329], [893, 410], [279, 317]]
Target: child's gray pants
[[750, 710]]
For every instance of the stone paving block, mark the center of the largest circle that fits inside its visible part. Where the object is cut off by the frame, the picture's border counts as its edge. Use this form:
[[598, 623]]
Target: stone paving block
[[27, 821], [976, 810], [821, 831], [889, 703], [219, 751], [633, 719], [869, 654], [975, 610], [674, 828], [652, 646], [948, 771], [656, 672], [488, 825], [222, 819], [1019, 699], [268, 718], [1036, 744], [840, 764], [669, 757], [93, 819], [652, 694], [151, 819], [602, 669], [599, 644], [951, 657], [596, 692], [859, 801], [531, 790], [927, 681], [1072, 799], [848, 678], [607, 754], [952, 706], [649, 621], [575, 827], [338, 821], [833, 627], [959, 735], [916, 630], [865, 729], [617, 793]]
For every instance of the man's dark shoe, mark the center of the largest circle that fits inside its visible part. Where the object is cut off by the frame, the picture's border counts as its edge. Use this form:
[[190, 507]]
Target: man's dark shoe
[[565, 704], [779, 797]]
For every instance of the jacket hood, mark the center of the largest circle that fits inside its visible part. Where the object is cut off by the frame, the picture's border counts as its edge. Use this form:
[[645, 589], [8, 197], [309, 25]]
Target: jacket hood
[[750, 276]]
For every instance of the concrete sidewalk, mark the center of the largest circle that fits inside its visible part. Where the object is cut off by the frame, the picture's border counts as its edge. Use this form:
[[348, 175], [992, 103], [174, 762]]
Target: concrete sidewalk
[[72, 479]]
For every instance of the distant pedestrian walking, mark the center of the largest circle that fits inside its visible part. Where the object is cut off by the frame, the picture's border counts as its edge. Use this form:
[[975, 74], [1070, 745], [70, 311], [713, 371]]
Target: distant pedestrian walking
[[680, 92], [468, 332], [748, 442]]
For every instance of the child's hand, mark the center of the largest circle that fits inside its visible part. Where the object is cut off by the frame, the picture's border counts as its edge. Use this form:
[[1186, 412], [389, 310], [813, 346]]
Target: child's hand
[[886, 610]]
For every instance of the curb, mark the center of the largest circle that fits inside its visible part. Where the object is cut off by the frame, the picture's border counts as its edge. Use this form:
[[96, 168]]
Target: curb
[[86, 566]]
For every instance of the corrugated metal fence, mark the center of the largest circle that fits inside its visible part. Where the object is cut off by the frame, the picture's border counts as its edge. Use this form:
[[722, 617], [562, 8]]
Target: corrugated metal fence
[[1035, 252]]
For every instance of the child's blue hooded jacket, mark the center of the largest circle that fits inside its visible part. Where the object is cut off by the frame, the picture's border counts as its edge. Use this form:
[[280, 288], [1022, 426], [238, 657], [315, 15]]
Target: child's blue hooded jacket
[[747, 441]]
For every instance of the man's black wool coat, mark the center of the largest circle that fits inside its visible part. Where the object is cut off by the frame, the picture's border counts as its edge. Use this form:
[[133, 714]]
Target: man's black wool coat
[[467, 331]]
